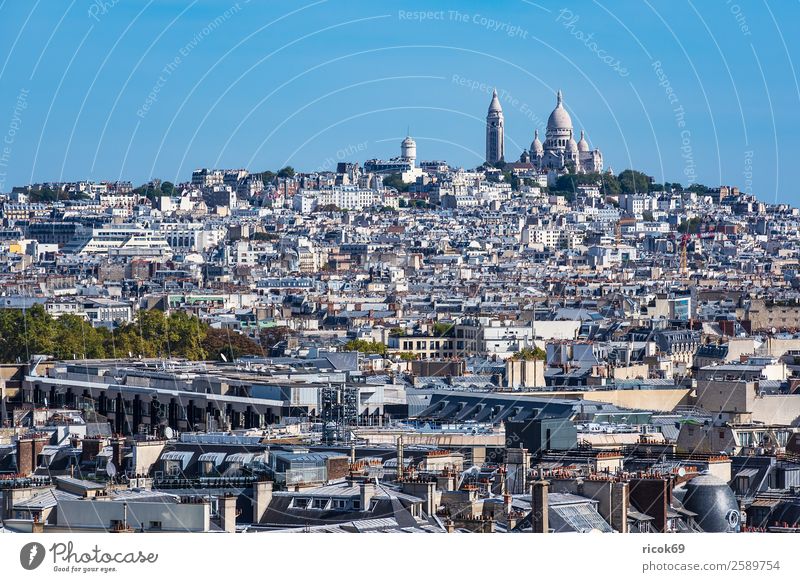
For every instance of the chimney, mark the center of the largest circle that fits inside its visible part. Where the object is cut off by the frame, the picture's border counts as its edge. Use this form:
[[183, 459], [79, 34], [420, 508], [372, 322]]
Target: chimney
[[620, 498], [262, 497], [90, 448], [423, 489], [118, 452], [400, 460], [540, 522], [367, 490], [28, 449], [227, 513]]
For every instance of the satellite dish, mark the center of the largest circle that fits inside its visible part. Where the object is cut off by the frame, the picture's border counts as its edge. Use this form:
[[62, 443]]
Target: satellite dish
[[224, 359], [45, 402], [111, 469], [169, 433], [681, 472]]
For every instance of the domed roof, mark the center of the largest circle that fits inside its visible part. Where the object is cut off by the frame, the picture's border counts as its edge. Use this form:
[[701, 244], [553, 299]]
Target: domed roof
[[559, 118], [409, 141], [495, 104], [583, 145], [536, 145], [713, 502], [572, 146]]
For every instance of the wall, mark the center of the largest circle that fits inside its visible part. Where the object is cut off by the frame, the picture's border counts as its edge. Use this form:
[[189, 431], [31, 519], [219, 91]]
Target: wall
[[777, 409], [82, 514], [660, 400]]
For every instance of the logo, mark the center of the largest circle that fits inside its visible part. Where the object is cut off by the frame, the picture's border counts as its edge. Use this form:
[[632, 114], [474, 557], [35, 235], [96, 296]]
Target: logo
[[31, 555]]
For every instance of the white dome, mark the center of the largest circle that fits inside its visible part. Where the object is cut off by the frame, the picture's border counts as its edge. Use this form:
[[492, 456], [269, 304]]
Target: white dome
[[583, 145], [536, 145], [572, 146], [559, 118], [495, 104]]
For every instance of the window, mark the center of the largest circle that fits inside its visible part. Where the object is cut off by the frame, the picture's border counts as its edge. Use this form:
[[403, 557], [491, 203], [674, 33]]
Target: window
[[300, 502], [319, 503], [339, 504], [155, 525]]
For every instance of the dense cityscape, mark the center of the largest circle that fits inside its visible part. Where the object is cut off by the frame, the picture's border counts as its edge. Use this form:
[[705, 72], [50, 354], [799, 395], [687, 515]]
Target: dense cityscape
[[535, 345]]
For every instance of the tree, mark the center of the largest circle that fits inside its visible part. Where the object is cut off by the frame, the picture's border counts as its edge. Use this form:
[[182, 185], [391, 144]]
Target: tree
[[185, 335], [698, 189], [441, 329], [647, 216], [269, 336], [569, 183], [24, 333], [229, 343], [691, 226], [535, 353], [74, 337], [45, 194], [633, 182], [366, 347], [286, 172], [395, 181]]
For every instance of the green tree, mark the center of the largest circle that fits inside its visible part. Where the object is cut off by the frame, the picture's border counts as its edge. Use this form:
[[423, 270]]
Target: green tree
[[691, 226], [395, 181], [269, 336], [231, 344], [286, 172], [441, 329], [535, 353], [74, 337], [185, 336], [633, 182], [366, 347], [698, 189]]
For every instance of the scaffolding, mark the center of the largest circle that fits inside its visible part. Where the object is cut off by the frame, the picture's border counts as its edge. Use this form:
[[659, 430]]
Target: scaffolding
[[339, 411]]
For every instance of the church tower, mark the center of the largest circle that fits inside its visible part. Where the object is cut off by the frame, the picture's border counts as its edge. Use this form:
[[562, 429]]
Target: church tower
[[495, 148]]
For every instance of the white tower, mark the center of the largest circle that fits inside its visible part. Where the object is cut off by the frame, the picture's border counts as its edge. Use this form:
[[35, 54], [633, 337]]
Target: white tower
[[408, 150], [495, 148]]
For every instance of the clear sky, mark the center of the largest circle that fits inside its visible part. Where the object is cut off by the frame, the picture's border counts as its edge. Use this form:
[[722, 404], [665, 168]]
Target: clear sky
[[701, 90]]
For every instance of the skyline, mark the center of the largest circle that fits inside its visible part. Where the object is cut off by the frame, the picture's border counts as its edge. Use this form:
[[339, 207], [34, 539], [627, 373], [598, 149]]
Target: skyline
[[138, 92]]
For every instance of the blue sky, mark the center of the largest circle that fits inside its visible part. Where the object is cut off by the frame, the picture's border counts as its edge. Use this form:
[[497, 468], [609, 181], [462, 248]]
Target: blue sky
[[686, 91]]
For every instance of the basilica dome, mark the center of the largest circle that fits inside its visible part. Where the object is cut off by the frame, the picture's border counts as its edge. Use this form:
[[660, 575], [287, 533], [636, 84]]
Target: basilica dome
[[559, 118], [536, 145], [583, 145]]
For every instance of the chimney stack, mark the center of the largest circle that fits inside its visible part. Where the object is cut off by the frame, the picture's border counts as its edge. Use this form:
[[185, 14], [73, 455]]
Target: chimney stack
[[262, 497], [28, 449], [620, 498], [227, 513], [118, 452], [540, 522], [367, 490], [401, 468]]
